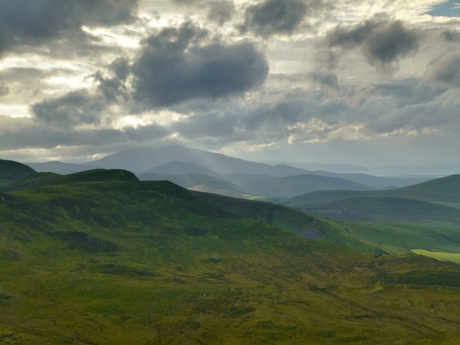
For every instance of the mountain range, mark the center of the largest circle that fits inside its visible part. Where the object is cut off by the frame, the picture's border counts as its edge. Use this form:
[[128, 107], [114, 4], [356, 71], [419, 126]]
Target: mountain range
[[211, 172]]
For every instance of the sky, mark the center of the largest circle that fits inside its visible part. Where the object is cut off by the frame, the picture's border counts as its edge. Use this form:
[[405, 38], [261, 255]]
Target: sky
[[370, 82]]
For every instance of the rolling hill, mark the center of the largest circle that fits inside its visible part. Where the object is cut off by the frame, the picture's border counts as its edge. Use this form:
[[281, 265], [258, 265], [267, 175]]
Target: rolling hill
[[446, 189], [11, 172], [423, 216], [101, 258], [58, 167]]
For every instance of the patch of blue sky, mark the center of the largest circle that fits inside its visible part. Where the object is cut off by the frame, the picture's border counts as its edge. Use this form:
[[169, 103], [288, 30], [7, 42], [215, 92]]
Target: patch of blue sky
[[449, 8]]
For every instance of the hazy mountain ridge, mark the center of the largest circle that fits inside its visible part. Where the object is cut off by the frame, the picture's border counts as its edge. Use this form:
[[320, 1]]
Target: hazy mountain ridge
[[226, 175], [58, 167], [437, 199], [446, 189], [140, 160], [334, 168]]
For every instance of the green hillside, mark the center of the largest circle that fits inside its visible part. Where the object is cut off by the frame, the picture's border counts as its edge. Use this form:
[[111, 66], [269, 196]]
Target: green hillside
[[290, 220], [90, 260], [11, 172], [424, 216], [50, 179], [446, 189], [397, 209]]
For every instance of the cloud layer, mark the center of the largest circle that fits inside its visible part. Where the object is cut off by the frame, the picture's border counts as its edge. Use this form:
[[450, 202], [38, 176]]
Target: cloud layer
[[179, 64], [383, 41], [32, 22], [274, 78]]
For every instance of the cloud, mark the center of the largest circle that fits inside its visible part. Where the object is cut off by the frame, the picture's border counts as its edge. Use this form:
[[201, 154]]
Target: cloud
[[179, 64], [446, 70], [221, 11], [16, 133], [272, 17], [72, 109], [408, 91], [4, 89], [451, 35], [32, 22], [115, 86], [327, 79], [382, 40], [407, 107]]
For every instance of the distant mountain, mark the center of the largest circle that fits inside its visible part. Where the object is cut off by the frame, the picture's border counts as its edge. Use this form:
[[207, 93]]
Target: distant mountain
[[437, 200], [258, 185], [376, 182], [294, 185], [434, 170], [335, 168], [145, 159], [180, 160], [11, 171], [192, 180], [446, 189], [59, 167], [180, 168]]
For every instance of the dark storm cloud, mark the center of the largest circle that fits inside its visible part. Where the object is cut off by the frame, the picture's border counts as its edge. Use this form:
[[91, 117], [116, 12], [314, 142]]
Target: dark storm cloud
[[178, 64], [114, 86], [446, 71], [408, 91], [327, 79], [451, 35], [221, 11], [4, 89], [382, 40], [28, 133], [72, 109], [32, 22], [272, 17], [327, 59]]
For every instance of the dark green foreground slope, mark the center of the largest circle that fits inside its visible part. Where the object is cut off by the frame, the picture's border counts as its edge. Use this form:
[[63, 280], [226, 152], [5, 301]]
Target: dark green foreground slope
[[11, 172], [97, 258]]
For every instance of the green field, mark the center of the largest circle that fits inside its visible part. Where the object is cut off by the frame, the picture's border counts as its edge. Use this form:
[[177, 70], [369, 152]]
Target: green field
[[398, 238], [454, 257], [98, 258]]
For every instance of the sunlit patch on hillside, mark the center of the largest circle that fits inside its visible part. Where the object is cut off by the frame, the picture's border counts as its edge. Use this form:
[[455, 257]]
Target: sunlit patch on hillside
[[442, 256]]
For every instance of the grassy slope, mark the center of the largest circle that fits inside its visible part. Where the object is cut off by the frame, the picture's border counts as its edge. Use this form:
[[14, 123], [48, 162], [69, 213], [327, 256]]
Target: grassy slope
[[416, 217], [11, 172], [454, 257], [445, 189], [290, 220], [123, 262]]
